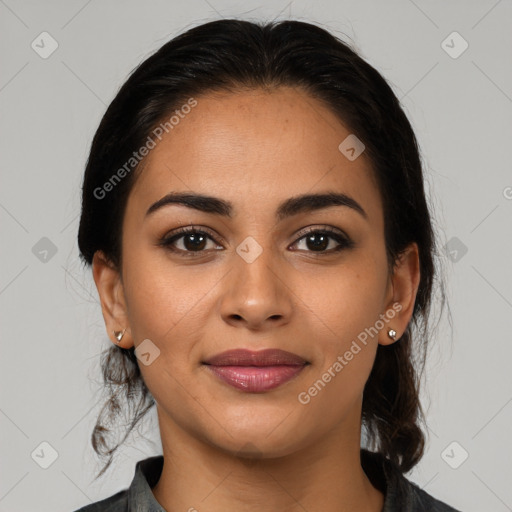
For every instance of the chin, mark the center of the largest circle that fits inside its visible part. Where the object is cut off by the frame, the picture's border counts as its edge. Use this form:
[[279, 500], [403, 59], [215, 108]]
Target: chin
[[253, 442]]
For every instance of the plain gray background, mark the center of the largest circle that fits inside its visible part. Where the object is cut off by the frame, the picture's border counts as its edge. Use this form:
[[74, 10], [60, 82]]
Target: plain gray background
[[460, 105]]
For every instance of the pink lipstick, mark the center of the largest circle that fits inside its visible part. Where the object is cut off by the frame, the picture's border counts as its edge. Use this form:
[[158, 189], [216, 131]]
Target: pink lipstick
[[256, 372]]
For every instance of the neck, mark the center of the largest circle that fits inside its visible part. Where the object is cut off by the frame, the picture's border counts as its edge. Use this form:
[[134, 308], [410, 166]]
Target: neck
[[197, 476]]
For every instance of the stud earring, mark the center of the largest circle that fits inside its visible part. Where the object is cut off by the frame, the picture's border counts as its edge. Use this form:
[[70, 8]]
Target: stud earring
[[392, 334], [119, 335]]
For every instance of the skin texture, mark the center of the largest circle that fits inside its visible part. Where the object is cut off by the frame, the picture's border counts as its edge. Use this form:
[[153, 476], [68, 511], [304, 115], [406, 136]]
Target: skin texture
[[226, 449]]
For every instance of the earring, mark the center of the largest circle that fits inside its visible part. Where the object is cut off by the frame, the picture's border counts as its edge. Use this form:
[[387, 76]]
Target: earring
[[119, 335], [392, 334]]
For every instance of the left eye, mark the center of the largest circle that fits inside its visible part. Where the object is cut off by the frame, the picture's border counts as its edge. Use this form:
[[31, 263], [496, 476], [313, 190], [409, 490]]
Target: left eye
[[320, 241]]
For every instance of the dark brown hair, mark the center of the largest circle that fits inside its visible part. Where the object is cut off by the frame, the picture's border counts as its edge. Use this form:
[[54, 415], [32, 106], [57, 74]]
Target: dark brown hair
[[233, 54]]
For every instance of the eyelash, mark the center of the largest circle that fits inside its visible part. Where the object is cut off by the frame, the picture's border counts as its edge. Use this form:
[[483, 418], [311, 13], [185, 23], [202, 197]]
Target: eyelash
[[344, 241]]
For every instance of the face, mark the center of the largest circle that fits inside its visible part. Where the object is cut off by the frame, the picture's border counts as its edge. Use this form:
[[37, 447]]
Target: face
[[312, 281]]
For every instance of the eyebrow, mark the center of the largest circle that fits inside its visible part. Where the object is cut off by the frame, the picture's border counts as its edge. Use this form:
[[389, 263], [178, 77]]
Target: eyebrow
[[288, 208]]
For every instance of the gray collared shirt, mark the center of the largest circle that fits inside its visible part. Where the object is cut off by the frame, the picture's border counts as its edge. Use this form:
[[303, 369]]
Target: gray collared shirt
[[400, 495]]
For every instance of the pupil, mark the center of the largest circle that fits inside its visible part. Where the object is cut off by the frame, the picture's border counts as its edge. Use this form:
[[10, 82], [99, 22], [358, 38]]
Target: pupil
[[322, 243], [197, 241]]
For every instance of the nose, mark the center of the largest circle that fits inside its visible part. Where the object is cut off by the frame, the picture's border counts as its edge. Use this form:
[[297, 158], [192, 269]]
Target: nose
[[256, 295]]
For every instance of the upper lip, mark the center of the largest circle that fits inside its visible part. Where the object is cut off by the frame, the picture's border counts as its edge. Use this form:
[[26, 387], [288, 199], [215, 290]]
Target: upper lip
[[267, 357]]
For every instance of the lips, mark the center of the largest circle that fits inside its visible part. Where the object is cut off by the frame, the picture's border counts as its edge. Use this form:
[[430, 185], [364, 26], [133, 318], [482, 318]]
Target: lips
[[256, 371], [268, 357]]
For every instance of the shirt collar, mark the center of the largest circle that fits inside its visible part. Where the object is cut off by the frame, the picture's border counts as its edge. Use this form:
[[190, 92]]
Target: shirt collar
[[140, 496]]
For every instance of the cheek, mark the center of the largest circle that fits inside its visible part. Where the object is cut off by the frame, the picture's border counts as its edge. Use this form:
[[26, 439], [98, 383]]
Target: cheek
[[163, 299], [166, 306], [169, 305], [345, 307], [348, 300], [345, 356]]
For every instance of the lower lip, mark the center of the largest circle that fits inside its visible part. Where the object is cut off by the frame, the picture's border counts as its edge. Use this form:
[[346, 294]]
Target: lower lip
[[254, 379]]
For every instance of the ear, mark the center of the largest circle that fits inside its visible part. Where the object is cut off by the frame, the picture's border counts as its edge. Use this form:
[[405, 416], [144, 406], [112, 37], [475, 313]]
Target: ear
[[113, 305], [403, 287]]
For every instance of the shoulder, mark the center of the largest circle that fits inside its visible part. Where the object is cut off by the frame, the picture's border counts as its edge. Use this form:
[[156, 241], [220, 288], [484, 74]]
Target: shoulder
[[410, 497], [138, 496], [399, 493], [115, 503], [421, 501]]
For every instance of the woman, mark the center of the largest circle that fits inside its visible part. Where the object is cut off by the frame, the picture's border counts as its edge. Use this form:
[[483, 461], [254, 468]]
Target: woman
[[254, 214]]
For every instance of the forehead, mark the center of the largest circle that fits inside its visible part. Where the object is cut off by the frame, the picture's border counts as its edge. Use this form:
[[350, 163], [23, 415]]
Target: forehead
[[257, 148]]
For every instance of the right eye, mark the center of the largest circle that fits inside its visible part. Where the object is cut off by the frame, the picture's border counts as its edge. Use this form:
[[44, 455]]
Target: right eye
[[192, 240]]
